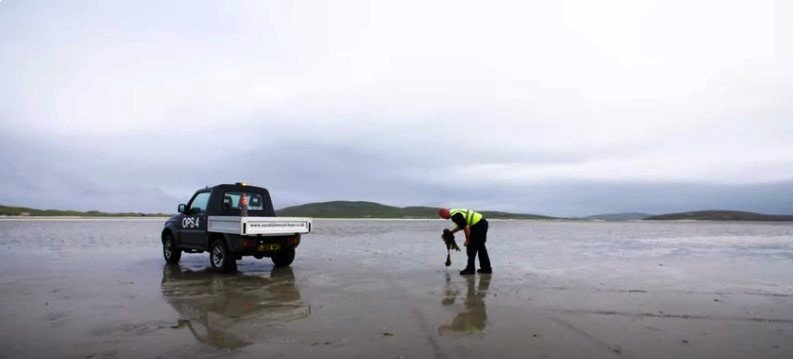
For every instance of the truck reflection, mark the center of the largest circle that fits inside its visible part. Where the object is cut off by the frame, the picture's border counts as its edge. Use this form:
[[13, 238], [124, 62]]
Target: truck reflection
[[471, 317], [229, 311]]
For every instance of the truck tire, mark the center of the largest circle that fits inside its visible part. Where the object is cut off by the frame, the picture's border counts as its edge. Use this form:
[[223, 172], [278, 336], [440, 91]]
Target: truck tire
[[283, 259], [222, 260], [169, 250]]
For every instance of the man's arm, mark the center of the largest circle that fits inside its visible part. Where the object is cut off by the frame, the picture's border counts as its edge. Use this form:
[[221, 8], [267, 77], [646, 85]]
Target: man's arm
[[459, 220], [466, 230]]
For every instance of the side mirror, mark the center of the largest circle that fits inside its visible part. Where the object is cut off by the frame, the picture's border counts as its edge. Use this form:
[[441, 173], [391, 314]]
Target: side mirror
[[182, 208]]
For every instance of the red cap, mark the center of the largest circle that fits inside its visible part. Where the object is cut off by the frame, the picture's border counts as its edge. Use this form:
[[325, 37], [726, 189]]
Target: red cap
[[444, 213]]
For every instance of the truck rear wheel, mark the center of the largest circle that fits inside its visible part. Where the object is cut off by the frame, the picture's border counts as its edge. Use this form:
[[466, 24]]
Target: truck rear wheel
[[222, 259], [283, 259], [169, 250]]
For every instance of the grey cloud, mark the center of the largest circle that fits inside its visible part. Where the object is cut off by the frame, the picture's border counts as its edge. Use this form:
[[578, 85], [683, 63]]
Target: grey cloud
[[132, 106], [302, 172]]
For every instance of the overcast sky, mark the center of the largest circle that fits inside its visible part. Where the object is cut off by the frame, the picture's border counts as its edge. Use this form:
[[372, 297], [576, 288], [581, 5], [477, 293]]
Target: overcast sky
[[552, 107]]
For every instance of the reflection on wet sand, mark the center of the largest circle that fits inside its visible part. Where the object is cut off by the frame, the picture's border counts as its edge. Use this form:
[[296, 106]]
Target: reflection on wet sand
[[226, 311], [472, 315]]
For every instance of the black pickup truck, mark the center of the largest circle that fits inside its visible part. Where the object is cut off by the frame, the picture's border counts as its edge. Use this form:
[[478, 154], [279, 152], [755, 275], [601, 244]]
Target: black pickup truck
[[231, 221]]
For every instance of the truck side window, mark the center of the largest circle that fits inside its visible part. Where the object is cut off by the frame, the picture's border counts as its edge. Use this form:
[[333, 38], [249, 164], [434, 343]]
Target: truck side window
[[199, 203]]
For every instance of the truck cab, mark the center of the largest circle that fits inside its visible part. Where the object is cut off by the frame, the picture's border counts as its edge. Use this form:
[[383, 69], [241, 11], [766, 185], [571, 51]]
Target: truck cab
[[231, 221]]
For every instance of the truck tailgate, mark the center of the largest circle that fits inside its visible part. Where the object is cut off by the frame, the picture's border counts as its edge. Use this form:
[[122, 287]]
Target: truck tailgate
[[267, 226]]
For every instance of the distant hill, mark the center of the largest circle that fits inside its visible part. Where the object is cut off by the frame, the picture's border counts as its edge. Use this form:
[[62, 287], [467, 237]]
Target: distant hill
[[721, 216], [359, 209], [349, 209], [627, 216], [24, 211], [507, 215]]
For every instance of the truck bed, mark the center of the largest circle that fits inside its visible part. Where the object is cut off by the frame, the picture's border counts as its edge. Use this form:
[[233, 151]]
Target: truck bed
[[254, 226]]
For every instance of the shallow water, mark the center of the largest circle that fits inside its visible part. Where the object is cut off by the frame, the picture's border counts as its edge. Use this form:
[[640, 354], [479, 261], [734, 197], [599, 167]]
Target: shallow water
[[94, 288]]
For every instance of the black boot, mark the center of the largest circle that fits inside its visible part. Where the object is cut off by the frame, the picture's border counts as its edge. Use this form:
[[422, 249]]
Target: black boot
[[485, 271], [467, 271]]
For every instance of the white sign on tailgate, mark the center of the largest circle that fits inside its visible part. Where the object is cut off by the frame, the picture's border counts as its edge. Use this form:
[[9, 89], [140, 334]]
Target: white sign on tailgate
[[259, 225]]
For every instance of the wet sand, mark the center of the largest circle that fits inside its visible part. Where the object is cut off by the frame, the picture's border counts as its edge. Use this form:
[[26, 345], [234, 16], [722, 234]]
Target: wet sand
[[93, 289]]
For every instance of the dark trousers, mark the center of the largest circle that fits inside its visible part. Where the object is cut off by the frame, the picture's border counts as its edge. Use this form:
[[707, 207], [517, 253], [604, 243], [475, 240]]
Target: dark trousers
[[477, 245]]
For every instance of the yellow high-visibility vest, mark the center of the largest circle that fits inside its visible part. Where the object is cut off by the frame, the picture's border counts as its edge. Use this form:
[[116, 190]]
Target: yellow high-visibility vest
[[471, 217]]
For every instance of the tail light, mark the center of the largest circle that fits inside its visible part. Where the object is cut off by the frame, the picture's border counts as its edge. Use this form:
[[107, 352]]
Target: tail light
[[294, 240]]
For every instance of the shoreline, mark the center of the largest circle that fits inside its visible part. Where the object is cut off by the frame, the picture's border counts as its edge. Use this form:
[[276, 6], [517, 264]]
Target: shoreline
[[565, 220], [76, 218]]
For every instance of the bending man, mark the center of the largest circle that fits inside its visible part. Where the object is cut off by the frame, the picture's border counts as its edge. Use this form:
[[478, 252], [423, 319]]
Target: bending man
[[475, 227]]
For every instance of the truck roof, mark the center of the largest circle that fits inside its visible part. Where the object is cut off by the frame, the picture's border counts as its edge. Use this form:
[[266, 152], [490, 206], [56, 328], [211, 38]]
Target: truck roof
[[240, 187], [215, 204]]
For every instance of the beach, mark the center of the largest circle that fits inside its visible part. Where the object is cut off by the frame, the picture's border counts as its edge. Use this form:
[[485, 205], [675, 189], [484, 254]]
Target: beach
[[360, 289]]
